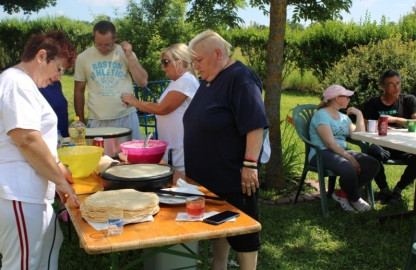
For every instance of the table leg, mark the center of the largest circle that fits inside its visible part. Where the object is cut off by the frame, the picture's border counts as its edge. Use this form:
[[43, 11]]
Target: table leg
[[414, 198], [165, 249], [205, 246]]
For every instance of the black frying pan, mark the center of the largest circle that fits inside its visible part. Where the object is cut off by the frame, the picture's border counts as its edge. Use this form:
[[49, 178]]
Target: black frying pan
[[151, 183]]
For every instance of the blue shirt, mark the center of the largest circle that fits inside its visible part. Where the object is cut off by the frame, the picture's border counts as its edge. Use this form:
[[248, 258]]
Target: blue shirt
[[55, 97], [339, 129], [216, 124]]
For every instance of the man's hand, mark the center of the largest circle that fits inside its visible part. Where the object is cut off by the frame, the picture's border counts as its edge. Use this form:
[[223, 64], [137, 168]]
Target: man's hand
[[127, 48]]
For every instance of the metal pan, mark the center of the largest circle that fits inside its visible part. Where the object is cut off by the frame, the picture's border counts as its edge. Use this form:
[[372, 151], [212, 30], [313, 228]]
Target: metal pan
[[113, 137], [142, 177]]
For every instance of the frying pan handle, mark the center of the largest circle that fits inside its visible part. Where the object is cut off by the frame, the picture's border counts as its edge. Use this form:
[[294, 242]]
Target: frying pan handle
[[115, 163], [170, 156]]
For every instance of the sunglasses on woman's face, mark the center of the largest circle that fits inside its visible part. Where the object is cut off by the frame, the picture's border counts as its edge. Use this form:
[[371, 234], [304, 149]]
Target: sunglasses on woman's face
[[164, 62]]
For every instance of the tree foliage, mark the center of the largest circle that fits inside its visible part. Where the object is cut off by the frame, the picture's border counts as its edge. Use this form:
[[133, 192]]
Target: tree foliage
[[360, 68], [14, 34], [152, 25], [252, 42], [27, 6], [214, 14], [315, 10]]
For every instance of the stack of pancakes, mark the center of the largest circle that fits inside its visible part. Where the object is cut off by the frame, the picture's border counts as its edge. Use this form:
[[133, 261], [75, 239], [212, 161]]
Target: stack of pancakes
[[136, 205]]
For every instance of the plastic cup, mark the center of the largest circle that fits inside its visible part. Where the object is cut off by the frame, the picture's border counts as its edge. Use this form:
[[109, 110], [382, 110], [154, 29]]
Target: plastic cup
[[195, 207], [372, 126], [115, 218], [411, 125]]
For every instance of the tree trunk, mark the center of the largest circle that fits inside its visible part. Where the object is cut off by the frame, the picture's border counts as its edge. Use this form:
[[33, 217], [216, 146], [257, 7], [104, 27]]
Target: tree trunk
[[273, 91]]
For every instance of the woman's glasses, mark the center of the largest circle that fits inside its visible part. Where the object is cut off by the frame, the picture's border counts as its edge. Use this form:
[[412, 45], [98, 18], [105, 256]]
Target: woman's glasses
[[164, 62], [61, 69]]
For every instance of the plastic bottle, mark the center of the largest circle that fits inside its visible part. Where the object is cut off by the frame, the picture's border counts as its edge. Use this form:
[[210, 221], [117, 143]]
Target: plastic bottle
[[60, 139], [77, 132]]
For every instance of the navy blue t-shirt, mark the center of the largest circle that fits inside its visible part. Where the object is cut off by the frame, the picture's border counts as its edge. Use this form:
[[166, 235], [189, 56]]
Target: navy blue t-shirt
[[55, 97], [216, 124]]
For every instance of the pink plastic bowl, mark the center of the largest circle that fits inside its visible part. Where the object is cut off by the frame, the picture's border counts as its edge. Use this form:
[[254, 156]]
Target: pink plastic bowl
[[136, 153]]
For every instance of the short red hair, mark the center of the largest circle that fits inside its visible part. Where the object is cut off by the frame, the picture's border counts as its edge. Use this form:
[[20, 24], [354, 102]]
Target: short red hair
[[56, 44]]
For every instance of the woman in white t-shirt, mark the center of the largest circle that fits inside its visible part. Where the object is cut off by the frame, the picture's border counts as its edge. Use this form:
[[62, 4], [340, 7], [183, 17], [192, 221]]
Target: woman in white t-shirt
[[30, 173], [169, 110]]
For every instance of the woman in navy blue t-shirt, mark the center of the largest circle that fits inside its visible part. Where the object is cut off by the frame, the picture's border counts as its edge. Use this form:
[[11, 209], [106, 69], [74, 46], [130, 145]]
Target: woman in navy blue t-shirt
[[223, 135]]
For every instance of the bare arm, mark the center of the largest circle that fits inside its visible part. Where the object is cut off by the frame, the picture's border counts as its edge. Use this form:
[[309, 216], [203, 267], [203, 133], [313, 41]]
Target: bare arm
[[360, 125], [399, 120], [138, 73], [327, 137], [170, 103], [79, 99], [36, 152], [253, 147]]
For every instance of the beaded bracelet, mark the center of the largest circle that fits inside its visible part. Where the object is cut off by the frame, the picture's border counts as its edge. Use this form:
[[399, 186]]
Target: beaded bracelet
[[250, 167], [251, 159], [249, 163]]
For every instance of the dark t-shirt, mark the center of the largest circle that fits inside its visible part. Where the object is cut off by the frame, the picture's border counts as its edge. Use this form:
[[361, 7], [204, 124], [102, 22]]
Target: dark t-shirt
[[55, 97], [216, 124], [404, 107]]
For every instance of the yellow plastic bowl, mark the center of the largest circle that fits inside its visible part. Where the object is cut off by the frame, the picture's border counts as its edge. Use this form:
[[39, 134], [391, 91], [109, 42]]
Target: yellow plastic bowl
[[81, 160]]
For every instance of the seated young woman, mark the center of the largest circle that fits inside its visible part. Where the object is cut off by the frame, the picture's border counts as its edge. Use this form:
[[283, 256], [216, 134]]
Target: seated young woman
[[329, 129]]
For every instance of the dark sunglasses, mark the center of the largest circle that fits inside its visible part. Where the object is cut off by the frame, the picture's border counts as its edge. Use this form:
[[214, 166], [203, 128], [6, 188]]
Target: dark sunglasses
[[164, 62], [345, 96]]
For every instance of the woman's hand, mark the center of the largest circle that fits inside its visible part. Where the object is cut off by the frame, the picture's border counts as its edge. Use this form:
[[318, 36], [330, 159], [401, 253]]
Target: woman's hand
[[355, 164], [249, 180], [65, 190], [128, 99], [359, 125], [353, 110]]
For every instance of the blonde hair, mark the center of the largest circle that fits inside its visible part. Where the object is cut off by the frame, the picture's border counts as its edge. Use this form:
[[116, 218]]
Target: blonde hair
[[180, 51], [324, 103], [212, 40]]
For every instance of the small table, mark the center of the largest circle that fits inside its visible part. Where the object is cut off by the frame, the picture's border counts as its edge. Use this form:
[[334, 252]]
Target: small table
[[399, 139], [163, 231]]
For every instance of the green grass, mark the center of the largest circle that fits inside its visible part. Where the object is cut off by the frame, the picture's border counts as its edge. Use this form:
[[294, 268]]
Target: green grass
[[68, 89], [297, 236]]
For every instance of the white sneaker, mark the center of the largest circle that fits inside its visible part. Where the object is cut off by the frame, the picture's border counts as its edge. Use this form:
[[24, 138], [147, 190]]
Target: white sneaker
[[361, 205], [343, 202]]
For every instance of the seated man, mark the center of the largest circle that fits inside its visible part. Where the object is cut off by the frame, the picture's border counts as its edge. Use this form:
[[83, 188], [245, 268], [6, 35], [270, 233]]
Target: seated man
[[399, 107]]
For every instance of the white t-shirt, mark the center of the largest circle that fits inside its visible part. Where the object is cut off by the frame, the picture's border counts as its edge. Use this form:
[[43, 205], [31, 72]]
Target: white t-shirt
[[170, 126], [23, 106], [107, 78]]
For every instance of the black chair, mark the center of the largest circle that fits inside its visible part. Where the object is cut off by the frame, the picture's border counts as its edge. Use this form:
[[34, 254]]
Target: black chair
[[302, 115]]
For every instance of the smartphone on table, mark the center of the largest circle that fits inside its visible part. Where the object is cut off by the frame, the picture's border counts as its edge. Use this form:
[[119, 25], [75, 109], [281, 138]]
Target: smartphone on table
[[221, 217]]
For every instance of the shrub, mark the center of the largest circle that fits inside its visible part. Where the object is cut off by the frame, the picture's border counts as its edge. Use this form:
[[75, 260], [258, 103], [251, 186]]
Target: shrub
[[292, 155], [321, 45], [14, 33], [253, 45], [359, 70]]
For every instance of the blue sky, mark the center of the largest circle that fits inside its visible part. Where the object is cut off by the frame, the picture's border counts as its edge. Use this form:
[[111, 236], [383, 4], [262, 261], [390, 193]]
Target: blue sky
[[86, 9]]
